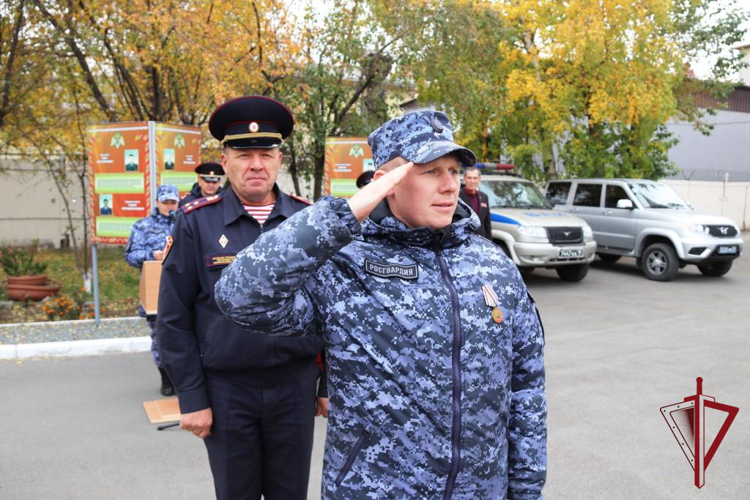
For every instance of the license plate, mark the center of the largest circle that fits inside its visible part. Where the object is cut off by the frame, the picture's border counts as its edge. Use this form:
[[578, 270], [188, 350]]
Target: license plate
[[567, 253], [724, 250]]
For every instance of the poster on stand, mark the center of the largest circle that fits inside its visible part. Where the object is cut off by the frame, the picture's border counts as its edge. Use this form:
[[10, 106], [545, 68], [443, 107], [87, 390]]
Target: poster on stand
[[126, 162], [119, 169], [178, 152], [346, 158]]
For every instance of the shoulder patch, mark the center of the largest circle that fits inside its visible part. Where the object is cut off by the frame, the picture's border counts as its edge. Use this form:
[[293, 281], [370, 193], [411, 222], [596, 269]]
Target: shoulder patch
[[300, 199], [200, 202]]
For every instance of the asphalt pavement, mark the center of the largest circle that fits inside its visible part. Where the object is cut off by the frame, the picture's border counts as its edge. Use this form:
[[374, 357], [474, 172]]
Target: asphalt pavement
[[619, 347]]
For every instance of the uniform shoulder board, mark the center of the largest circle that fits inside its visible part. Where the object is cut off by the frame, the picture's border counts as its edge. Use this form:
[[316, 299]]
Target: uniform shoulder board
[[200, 202], [300, 199]]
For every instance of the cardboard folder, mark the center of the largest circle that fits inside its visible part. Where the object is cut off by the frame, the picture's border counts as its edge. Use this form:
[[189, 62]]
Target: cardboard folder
[[148, 289], [162, 410]]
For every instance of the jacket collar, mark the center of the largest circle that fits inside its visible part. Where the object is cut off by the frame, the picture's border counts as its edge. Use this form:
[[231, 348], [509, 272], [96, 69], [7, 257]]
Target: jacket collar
[[233, 208], [383, 223], [158, 216]]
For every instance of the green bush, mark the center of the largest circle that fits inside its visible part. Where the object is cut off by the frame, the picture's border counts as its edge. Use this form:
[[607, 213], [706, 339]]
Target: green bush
[[19, 261]]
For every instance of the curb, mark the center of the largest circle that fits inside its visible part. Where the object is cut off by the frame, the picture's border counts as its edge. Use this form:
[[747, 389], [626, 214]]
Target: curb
[[72, 348]]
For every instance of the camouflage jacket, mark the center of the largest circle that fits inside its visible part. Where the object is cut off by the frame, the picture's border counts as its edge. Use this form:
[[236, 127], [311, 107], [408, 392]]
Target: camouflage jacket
[[147, 236], [429, 396]]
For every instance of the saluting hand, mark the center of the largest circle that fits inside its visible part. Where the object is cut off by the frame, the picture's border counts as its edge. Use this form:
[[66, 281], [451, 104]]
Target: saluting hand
[[367, 198]]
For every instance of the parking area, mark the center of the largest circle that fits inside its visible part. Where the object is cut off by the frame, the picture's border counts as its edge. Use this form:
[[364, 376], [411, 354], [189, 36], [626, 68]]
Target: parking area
[[619, 347]]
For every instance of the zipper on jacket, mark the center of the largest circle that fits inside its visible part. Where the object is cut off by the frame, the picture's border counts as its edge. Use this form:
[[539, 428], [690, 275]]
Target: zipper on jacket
[[352, 456], [456, 370]]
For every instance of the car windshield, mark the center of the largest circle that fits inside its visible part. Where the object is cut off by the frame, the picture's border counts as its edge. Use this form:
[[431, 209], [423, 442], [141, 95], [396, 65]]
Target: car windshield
[[513, 194], [653, 195]]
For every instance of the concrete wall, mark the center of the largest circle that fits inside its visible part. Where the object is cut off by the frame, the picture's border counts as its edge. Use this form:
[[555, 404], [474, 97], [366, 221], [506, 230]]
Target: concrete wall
[[32, 207], [725, 151], [730, 199]]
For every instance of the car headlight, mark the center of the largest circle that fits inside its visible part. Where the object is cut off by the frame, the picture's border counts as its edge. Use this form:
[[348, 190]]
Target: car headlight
[[588, 234], [699, 228], [533, 233]]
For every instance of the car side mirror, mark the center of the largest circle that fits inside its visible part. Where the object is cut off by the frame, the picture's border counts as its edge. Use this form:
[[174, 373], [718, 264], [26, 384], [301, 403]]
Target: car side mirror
[[626, 204]]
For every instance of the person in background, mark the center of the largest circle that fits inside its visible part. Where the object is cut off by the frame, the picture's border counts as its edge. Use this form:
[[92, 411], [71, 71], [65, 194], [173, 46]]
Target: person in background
[[210, 175], [148, 239], [477, 200]]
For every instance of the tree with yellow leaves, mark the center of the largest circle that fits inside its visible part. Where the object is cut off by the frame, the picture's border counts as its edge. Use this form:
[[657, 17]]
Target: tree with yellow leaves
[[583, 85]]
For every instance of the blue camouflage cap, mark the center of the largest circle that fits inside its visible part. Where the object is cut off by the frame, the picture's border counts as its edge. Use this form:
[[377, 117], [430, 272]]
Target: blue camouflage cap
[[167, 192], [419, 137]]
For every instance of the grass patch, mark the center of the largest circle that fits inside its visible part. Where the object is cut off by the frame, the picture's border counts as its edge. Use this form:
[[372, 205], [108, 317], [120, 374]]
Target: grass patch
[[118, 283]]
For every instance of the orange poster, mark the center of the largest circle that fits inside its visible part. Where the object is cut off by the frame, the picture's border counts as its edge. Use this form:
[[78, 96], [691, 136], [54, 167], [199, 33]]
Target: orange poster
[[178, 152], [346, 158], [126, 162], [119, 169]]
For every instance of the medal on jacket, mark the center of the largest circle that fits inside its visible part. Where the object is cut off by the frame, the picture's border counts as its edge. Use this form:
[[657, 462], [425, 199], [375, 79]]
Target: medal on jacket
[[490, 298]]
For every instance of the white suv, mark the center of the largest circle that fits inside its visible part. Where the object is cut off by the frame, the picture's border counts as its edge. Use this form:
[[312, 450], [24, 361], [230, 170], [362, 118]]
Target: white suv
[[534, 235]]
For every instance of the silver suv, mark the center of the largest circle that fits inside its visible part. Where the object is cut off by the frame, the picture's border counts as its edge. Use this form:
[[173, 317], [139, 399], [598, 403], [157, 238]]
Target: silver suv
[[534, 235], [649, 221]]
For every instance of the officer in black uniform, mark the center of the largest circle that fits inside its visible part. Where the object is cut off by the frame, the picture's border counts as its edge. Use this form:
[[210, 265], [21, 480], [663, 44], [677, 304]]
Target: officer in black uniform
[[252, 398], [210, 175]]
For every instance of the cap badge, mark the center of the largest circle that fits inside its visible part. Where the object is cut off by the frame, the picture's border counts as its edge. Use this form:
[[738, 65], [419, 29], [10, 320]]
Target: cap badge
[[254, 126], [223, 241], [436, 125], [211, 173]]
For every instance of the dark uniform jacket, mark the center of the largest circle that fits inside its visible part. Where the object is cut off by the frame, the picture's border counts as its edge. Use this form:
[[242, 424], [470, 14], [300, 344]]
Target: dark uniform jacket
[[195, 338], [194, 194], [485, 228]]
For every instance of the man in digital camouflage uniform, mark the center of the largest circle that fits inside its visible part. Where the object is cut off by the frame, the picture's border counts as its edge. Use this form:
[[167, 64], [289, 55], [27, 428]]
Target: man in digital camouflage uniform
[[148, 238], [434, 347]]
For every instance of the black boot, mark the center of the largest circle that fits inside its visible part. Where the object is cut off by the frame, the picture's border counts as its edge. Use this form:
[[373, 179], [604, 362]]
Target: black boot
[[167, 389]]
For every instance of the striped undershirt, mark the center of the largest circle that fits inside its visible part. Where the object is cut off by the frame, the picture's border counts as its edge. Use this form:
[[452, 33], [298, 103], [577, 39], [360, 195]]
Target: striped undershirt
[[259, 213]]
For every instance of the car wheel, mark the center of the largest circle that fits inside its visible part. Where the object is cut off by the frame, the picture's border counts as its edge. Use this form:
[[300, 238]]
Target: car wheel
[[573, 272], [660, 262], [716, 268], [608, 257]]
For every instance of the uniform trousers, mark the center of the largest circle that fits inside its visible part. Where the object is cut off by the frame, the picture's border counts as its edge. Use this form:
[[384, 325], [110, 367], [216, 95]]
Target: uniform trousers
[[261, 438], [151, 320]]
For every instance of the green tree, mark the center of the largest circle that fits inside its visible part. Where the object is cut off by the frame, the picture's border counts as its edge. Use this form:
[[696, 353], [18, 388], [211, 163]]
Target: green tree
[[340, 88], [584, 84], [76, 64]]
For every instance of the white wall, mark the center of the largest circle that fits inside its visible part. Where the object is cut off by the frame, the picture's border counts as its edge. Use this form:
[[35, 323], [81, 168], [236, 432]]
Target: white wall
[[729, 199], [709, 158], [31, 207]]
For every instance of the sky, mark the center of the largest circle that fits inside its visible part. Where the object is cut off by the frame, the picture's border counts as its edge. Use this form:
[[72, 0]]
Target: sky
[[702, 67]]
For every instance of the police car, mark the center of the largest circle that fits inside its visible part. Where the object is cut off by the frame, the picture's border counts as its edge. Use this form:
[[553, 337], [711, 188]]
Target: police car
[[530, 232]]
